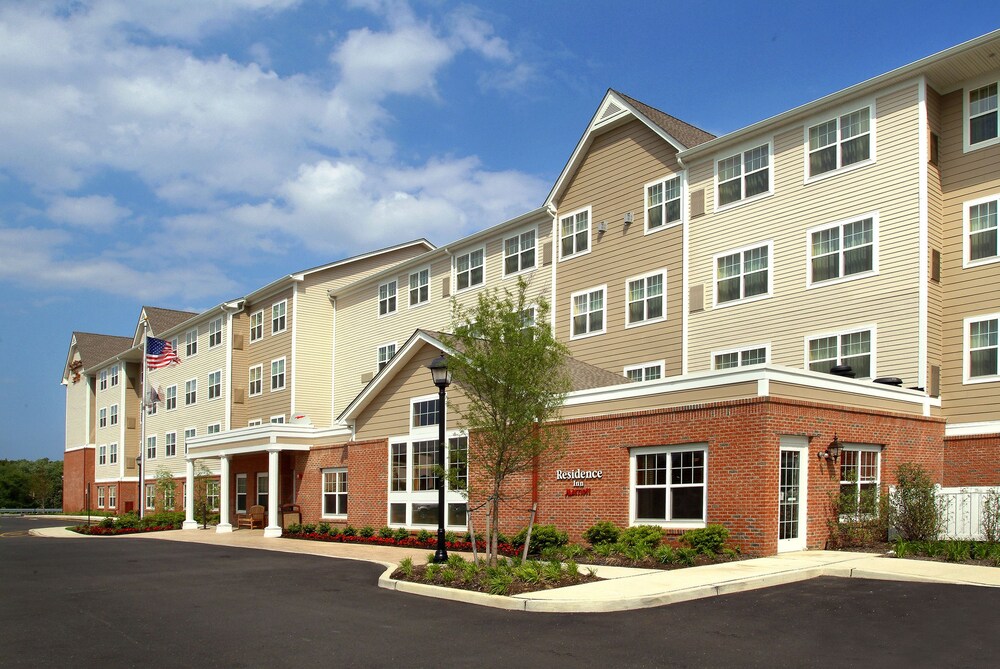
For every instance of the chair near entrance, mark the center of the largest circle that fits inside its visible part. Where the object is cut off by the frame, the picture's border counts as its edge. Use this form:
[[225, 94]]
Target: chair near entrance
[[254, 517]]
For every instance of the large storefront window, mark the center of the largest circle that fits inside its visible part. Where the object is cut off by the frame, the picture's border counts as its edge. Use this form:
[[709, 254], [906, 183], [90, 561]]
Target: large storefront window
[[669, 485], [413, 480]]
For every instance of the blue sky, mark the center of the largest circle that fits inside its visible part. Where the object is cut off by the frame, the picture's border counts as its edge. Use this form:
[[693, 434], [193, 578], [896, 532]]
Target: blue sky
[[182, 153]]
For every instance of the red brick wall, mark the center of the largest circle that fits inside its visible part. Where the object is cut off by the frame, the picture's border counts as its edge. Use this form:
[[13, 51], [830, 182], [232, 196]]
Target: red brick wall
[[78, 472], [367, 482], [972, 461]]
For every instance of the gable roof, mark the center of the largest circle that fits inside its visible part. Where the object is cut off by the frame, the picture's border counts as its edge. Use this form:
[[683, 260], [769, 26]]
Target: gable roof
[[160, 320], [684, 132], [92, 350]]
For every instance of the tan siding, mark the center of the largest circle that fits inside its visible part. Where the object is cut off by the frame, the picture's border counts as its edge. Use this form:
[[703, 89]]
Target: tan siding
[[847, 399], [270, 347], [314, 351], [888, 300], [610, 180], [240, 370], [78, 431], [723, 393], [935, 293]]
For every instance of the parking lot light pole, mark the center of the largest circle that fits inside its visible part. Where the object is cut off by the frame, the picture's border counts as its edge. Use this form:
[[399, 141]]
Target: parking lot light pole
[[442, 379]]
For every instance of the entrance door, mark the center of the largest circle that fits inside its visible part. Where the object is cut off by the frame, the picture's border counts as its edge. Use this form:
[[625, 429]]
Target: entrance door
[[792, 493]]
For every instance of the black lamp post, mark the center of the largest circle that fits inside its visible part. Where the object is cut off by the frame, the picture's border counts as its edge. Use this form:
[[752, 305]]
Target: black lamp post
[[442, 379]]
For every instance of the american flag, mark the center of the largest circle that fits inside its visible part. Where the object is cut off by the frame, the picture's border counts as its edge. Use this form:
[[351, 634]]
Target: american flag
[[159, 353]]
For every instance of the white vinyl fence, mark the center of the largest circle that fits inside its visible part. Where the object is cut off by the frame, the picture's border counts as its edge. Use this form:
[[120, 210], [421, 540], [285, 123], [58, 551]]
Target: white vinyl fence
[[963, 511]]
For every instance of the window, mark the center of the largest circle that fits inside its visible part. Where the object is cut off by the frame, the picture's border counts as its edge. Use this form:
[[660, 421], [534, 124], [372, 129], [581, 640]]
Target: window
[[420, 287], [114, 415], [102, 454], [574, 233], [150, 496], [424, 411], [469, 269], [385, 354], [840, 142], [190, 392], [413, 480], [215, 385], [663, 203], [843, 250], [100, 497], [982, 345], [262, 489], [256, 326], [669, 485], [212, 494], [215, 428], [334, 492], [257, 422], [755, 355], [743, 274], [168, 496], [983, 127], [103, 385], [256, 380], [648, 371], [215, 333], [980, 227], [744, 175], [191, 342], [277, 374], [241, 493], [102, 417], [112, 496], [112, 454], [278, 316], [859, 479], [151, 447], [588, 312], [458, 461], [171, 398], [278, 420], [387, 298], [189, 434], [644, 296], [519, 252], [114, 375], [170, 444], [846, 348]]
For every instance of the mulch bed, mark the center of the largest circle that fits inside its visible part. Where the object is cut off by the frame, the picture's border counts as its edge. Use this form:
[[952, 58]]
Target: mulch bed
[[481, 584]]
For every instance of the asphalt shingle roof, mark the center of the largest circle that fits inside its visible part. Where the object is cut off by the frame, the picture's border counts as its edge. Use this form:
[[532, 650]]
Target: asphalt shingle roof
[[96, 348], [161, 320], [683, 132]]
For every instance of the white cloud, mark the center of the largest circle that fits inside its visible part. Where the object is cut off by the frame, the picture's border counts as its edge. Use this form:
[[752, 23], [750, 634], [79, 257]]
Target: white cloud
[[93, 211]]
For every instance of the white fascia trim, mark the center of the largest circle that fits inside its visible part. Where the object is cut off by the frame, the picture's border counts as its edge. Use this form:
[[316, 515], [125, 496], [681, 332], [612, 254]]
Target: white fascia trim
[[554, 263], [82, 447], [333, 352], [923, 298], [291, 373], [972, 429], [754, 374]]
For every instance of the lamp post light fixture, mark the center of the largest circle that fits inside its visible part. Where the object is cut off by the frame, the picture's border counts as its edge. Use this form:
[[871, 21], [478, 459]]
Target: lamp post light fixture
[[832, 451], [442, 379]]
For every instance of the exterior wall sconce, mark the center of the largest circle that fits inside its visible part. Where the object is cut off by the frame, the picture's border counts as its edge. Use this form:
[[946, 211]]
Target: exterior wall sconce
[[832, 451]]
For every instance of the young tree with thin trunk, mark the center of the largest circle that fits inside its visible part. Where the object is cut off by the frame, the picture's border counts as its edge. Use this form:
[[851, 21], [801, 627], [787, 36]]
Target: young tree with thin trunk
[[512, 373]]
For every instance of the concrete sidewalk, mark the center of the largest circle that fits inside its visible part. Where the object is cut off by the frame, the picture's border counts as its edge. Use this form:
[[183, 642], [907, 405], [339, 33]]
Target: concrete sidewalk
[[620, 588]]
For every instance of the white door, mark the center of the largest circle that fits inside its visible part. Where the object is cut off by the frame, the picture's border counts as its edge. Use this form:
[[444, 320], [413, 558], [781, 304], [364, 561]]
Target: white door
[[792, 475]]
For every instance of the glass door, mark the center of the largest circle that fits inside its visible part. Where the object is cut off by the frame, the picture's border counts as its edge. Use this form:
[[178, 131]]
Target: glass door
[[792, 494]]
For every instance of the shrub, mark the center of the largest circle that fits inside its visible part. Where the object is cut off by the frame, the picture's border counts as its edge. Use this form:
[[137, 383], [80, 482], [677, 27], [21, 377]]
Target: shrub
[[991, 517], [649, 536], [294, 528], [406, 566], [450, 537], [323, 528], [665, 554], [542, 537], [686, 556], [349, 531], [913, 507], [367, 531], [424, 535], [385, 532], [401, 534], [602, 532], [708, 540], [308, 528], [128, 521], [107, 523], [335, 531]]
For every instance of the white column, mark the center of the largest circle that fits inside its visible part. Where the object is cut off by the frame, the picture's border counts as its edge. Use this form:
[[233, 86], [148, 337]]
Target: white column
[[224, 525], [189, 522], [273, 529]]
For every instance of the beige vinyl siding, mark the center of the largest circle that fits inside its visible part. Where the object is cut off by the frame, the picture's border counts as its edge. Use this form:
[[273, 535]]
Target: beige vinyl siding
[[887, 188], [240, 368], [79, 412], [968, 291], [263, 351], [935, 240], [104, 399], [611, 180], [721, 393]]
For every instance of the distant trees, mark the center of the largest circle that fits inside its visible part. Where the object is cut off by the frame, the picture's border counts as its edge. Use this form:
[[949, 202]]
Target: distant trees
[[31, 484]]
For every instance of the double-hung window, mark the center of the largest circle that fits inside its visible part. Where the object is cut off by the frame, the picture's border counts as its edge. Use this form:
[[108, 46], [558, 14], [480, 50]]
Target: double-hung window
[[648, 371], [840, 142], [215, 333], [277, 374], [191, 342], [114, 375], [574, 233], [102, 454], [385, 354], [100, 497], [982, 345], [112, 496], [215, 385], [189, 434], [170, 444], [663, 203], [278, 316], [587, 312], [214, 428], [744, 175], [743, 274], [334, 492], [190, 392], [469, 269], [150, 496], [854, 349], [171, 397], [256, 380], [113, 414], [842, 250], [980, 223], [151, 447], [519, 252], [669, 485], [754, 355], [983, 122], [241, 493], [102, 417], [387, 298], [420, 287], [112, 454], [103, 385], [212, 494], [644, 298], [859, 479], [256, 326]]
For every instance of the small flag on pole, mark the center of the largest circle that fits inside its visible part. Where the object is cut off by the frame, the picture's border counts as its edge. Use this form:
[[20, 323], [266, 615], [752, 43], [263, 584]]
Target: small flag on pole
[[160, 353]]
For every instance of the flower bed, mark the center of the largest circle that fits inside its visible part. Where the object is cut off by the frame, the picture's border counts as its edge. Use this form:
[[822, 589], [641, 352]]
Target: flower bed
[[409, 542], [97, 530]]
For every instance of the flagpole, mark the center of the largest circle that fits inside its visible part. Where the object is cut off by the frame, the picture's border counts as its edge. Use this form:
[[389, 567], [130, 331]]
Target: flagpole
[[141, 501]]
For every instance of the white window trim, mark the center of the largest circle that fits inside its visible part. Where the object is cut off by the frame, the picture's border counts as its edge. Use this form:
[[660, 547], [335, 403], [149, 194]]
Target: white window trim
[[867, 448], [649, 321], [874, 271], [590, 233], [284, 316], [112, 496], [378, 353], [645, 203], [208, 390], [284, 375], [260, 368], [857, 105], [114, 415], [662, 364], [415, 305], [166, 444], [277, 420], [102, 383], [743, 300], [454, 271], [245, 493], [193, 433], [838, 333], [217, 332], [604, 322], [256, 422], [967, 379], [113, 453], [214, 428], [150, 438], [423, 432], [195, 380], [378, 298], [113, 377], [102, 417], [503, 252], [409, 496], [102, 454], [150, 494], [739, 350], [324, 493], [191, 337], [971, 86], [257, 490], [166, 396], [633, 498], [256, 314], [966, 247], [729, 153]]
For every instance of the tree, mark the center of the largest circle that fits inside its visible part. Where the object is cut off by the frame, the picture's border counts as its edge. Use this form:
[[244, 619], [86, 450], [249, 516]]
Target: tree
[[512, 373], [166, 490]]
